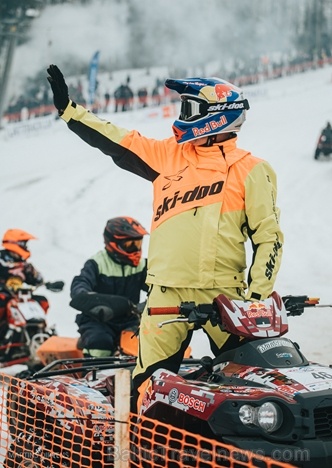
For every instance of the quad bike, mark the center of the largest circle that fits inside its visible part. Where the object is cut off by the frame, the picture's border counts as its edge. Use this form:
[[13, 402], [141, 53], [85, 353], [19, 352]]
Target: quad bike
[[263, 396], [24, 327], [57, 348]]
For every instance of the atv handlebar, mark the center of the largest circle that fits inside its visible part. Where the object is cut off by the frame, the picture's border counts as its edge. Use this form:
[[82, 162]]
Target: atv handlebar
[[188, 312], [201, 313], [55, 286], [295, 305]]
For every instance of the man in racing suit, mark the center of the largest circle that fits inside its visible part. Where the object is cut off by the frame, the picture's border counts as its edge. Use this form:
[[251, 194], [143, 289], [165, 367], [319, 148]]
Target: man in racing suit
[[209, 197]]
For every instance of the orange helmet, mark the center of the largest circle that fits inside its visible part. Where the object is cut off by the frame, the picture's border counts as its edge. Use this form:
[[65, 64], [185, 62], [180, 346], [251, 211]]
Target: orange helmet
[[16, 240]]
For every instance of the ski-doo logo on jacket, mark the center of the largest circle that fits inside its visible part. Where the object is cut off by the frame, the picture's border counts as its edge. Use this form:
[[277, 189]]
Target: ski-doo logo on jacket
[[174, 178], [198, 193]]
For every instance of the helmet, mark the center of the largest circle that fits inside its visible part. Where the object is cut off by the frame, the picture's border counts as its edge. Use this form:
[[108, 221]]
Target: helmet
[[208, 106], [123, 237], [16, 241]]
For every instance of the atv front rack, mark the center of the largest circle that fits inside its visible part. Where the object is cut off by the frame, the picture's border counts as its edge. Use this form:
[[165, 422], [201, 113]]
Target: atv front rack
[[94, 365]]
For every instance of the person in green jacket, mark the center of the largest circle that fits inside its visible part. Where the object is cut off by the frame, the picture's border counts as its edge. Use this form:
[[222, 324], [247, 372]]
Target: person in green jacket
[[107, 290]]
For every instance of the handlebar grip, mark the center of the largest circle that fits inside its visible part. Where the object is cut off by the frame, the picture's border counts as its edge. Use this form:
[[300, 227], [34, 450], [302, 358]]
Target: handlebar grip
[[163, 310]]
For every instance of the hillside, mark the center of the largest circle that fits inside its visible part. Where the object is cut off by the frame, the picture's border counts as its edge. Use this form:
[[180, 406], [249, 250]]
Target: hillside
[[63, 191]]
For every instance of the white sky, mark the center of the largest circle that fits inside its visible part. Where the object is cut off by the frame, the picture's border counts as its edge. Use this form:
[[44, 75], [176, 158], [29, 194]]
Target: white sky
[[72, 33], [55, 186]]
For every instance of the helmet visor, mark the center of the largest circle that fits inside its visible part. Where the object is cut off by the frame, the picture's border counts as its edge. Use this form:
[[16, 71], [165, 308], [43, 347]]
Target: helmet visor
[[131, 245], [23, 244]]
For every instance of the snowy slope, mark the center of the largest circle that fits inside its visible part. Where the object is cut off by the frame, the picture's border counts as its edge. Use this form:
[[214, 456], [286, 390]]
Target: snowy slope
[[63, 191]]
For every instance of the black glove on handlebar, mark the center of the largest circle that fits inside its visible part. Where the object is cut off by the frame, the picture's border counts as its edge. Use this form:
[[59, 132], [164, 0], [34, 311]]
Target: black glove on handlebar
[[294, 304], [56, 286], [59, 88], [120, 308], [101, 313], [200, 314], [139, 308]]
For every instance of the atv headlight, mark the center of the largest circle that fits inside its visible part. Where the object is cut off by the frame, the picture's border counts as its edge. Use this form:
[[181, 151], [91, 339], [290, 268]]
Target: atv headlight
[[268, 416], [247, 415]]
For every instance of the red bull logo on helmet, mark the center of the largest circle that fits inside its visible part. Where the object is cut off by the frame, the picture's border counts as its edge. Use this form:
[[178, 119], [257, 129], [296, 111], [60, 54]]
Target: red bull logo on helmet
[[209, 126], [223, 91]]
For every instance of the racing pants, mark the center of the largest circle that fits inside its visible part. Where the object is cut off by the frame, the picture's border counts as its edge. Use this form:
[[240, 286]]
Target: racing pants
[[165, 347]]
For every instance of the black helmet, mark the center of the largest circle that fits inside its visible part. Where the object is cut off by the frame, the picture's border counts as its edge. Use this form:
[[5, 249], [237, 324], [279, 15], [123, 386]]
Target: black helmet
[[123, 237]]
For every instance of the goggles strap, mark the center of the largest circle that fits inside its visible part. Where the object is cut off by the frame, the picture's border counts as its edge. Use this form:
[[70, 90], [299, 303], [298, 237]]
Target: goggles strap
[[211, 108]]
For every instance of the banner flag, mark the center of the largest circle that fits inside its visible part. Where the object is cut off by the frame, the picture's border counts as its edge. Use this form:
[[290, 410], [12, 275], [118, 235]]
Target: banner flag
[[93, 69]]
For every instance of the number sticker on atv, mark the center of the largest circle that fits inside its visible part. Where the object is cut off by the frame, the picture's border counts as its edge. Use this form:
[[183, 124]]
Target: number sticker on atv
[[31, 310]]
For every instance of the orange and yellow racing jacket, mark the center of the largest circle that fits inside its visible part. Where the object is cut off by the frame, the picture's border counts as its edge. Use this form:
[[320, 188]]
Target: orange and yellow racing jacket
[[207, 202]]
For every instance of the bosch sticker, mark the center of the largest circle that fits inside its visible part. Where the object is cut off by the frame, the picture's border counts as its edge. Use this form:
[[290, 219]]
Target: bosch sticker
[[192, 402]]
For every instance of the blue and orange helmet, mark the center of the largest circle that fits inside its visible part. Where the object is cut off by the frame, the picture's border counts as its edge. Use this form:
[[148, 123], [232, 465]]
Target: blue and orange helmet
[[208, 106]]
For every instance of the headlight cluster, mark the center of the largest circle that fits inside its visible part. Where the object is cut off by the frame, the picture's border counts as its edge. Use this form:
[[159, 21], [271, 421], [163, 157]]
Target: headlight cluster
[[268, 416]]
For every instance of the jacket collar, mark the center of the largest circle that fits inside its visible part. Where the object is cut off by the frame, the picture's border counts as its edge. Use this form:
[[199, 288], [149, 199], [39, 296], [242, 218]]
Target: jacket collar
[[218, 157]]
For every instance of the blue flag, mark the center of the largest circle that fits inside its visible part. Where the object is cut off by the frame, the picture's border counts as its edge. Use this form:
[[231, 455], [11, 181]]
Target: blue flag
[[93, 69]]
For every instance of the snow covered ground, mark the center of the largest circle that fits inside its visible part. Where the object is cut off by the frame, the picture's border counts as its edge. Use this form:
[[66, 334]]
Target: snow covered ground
[[58, 188]]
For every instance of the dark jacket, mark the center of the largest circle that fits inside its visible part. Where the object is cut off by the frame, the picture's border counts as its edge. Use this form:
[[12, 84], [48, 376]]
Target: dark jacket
[[102, 275], [327, 133], [12, 265]]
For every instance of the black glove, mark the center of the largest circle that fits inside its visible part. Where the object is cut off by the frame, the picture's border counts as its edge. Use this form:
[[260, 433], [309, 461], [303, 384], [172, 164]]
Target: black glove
[[101, 313], [139, 308], [56, 286], [59, 88], [294, 304], [203, 313], [120, 306]]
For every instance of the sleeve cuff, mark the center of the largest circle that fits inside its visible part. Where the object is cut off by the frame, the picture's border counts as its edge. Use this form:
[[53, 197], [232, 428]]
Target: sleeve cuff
[[68, 113], [252, 296]]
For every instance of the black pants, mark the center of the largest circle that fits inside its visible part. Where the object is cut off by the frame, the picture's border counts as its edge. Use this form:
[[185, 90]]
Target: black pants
[[104, 336]]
